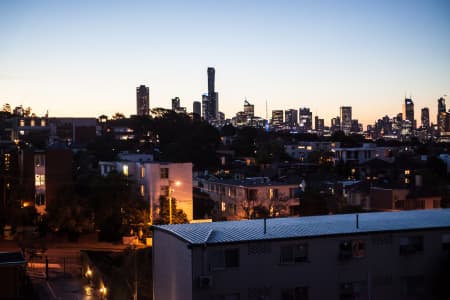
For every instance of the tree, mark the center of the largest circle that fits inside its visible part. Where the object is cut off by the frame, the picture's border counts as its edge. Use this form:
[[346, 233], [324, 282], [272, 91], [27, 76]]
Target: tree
[[118, 116], [178, 215]]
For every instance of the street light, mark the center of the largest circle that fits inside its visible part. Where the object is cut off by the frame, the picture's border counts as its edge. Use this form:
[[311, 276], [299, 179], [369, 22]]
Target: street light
[[171, 183]]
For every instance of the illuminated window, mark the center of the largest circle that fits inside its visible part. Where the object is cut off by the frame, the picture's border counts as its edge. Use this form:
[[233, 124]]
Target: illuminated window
[[223, 206], [43, 122], [7, 160], [39, 180], [142, 190], [407, 172], [21, 132], [142, 172], [32, 123], [309, 148], [22, 123], [125, 170]]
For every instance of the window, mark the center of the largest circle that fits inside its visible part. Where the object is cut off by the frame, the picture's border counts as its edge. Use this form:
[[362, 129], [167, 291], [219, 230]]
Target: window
[[273, 194], [353, 290], [164, 173], [32, 123], [258, 248], [42, 122], [142, 190], [446, 241], [39, 180], [22, 123], [290, 254], [234, 296], [252, 194], [142, 172], [125, 170], [224, 258], [298, 293], [351, 249], [164, 191], [410, 245], [413, 286]]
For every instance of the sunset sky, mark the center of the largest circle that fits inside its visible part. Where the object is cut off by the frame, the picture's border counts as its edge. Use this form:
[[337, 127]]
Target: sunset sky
[[85, 58]]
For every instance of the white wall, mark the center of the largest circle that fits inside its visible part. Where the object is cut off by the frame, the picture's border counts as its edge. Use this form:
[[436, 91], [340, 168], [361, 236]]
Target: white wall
[[172, 268]]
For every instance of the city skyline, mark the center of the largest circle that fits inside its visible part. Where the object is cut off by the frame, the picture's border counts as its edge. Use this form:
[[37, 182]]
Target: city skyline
[[84, 60]]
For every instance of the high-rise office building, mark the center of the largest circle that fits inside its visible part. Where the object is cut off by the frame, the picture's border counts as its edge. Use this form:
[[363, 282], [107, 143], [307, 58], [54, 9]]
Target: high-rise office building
[[175, 103], [210, 101], [441, 113], [425, 117], [249, 109], [319, 124], [305, 119], [408, 111], [143, 100], [277, 117], [335, 124], [346, 119], [197, 108], [290, 117]]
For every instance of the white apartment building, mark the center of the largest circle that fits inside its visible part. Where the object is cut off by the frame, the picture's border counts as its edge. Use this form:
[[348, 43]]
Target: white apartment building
[[359, 155], [237, 199], [155, 179], [388, 255]]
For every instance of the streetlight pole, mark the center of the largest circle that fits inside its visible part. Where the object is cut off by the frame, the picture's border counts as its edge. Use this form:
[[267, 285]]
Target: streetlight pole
[[171, 183]]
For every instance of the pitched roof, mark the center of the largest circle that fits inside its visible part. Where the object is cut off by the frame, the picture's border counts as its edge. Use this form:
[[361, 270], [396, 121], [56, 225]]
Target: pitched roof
[[303, 227]]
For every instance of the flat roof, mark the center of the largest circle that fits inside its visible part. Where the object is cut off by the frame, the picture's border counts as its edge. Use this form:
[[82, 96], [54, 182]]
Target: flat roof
[[304, 227]]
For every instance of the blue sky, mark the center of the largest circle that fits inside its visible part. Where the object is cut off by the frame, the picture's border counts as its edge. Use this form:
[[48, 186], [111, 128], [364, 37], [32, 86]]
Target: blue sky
[[85, 58]]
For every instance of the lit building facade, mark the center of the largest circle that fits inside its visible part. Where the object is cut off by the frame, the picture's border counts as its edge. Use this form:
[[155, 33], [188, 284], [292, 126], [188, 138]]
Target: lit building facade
[[155, 179]]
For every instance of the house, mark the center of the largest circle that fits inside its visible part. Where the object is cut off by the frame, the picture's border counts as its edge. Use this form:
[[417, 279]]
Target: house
[[386, 255], [384, 198], [359, 155], [155, 179], [239, 199]]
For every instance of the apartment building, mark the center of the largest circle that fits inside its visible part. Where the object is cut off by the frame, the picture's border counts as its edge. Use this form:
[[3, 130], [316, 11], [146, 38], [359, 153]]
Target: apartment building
[[156, 179], [359, 155], [387, 255], [240, 199]]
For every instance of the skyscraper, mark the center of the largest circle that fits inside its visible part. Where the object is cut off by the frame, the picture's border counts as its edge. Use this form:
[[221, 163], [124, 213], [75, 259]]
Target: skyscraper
[[210, 101], [346, 119], [408, 111], [249, 109], [197, 108], [290, 117], [277, 117], [175, 103], [425, 117], [305, 119], [442, 112], [143, 100]]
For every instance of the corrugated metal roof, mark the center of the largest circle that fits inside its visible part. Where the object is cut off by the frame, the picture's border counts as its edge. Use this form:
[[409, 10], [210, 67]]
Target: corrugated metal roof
[[282, 228]]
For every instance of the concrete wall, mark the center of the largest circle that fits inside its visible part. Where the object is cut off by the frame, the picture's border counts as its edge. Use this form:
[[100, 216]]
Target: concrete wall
[[172, 268]]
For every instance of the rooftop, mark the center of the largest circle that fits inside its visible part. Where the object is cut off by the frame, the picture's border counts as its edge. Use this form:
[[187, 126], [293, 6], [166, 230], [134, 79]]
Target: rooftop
[[303, 227]]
